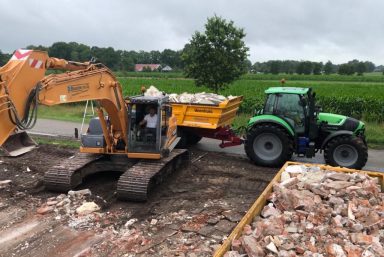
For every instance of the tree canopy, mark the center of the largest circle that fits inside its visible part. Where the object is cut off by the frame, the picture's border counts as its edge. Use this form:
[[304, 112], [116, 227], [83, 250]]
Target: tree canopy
[[120, 60], [217, 56], [125, 60]]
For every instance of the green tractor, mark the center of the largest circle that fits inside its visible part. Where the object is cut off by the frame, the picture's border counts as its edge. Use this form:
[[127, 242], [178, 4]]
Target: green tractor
[[292, 123]]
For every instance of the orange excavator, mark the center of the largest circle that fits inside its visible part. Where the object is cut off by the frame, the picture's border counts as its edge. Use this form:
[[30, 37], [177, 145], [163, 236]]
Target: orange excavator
[[115, 140]]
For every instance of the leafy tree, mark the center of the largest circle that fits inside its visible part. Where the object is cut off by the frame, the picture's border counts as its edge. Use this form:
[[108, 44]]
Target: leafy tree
[[258, 67], [304, 67], [275, 67], [4, 58], [289, 66], [328, 68], [300, 68], [361, 68], [127, 61], [307, 67], [216, 57], [354, 64], [346, 69], [107, 56], [248, 65], [370, 66], [317, 68], [155, 57], [39, 47]]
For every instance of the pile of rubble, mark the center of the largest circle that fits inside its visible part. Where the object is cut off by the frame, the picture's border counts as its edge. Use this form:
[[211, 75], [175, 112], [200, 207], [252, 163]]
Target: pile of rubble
[[79, 207], [198, 98], [198, 233], [315, 212]]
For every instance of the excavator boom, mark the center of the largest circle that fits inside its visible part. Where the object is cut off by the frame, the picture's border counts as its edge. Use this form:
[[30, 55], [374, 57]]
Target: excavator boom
[[23, 85]]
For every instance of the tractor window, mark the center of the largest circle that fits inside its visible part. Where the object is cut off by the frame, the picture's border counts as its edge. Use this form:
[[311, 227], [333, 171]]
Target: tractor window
[[269, 104], [289, 106]]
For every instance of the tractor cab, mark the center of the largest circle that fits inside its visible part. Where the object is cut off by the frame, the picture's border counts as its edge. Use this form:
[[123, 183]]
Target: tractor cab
[[290, 105], [297, 107], [148, 123]]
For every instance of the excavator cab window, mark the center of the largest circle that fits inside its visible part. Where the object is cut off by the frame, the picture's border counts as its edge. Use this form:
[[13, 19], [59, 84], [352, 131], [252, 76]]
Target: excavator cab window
[[145, 128]]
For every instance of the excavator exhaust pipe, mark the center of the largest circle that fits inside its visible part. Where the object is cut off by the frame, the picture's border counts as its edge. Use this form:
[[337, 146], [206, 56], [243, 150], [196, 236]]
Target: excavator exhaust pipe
[[18, 144]]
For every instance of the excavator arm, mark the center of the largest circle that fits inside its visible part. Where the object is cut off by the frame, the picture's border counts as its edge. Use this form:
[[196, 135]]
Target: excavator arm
[[23, 85]]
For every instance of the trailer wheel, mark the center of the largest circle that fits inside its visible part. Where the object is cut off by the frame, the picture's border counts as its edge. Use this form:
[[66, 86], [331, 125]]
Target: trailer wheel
[[268, 145], [183, 143], [193, 138], [346, 151]]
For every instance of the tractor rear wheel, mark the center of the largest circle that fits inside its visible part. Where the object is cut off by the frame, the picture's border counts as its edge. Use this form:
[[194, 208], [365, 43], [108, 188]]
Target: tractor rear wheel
[[346, 151], [268, 145]]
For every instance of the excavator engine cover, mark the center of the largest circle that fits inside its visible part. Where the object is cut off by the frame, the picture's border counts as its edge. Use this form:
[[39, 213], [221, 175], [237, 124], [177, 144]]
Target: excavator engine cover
[[18, 144]]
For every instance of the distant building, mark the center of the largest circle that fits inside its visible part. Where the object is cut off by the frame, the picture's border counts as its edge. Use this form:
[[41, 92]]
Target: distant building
[[140, 67], [166, 69]]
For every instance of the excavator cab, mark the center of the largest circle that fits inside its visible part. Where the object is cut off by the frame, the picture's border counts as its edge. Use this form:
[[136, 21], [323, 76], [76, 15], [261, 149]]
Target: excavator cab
[[149, 123]]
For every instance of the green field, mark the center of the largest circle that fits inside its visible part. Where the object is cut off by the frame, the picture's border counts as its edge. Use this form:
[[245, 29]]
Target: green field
[[368, 77], [362, 100]]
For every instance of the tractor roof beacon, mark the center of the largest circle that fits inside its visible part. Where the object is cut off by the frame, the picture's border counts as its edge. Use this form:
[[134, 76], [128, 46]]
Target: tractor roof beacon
[[290, 122]]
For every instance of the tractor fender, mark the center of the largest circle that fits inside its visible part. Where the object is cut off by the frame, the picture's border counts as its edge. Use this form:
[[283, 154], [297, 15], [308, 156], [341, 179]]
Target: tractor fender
[[335, 134], [271, 119]]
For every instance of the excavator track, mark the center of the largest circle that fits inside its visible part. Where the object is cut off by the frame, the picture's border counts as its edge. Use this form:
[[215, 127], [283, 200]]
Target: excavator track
[[68, 174], [137, 181]]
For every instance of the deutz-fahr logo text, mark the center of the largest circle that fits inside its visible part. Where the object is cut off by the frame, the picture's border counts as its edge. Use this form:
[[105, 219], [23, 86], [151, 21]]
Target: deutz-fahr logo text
[[77, 89]]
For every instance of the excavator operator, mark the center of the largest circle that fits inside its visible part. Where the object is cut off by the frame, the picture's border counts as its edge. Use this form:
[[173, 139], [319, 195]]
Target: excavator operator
[[150, 123]]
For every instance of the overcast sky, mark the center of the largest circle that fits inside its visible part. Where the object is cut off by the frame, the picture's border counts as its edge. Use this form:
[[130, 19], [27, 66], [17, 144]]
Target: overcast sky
[[316, 30]]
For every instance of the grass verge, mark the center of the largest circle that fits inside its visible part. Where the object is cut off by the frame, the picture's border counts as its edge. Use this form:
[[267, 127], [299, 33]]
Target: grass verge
[[68, 143]]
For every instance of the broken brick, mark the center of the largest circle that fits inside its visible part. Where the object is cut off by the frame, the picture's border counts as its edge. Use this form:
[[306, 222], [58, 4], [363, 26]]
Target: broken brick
[[361, 239], [251, 246]]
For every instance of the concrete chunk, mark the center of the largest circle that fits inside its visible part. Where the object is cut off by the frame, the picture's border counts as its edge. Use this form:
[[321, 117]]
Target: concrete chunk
[[87, 208]]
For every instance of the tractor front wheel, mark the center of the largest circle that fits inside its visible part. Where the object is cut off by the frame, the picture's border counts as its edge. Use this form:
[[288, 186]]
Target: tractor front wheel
[[268, 145], [346, 151]]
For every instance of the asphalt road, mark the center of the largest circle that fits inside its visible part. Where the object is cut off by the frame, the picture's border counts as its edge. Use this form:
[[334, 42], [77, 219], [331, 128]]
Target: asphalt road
[[67, 129]]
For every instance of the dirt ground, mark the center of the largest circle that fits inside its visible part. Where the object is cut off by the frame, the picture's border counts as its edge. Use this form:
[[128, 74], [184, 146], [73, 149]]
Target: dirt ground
[[187, 215]]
